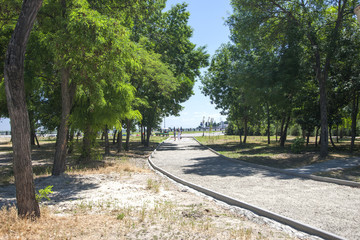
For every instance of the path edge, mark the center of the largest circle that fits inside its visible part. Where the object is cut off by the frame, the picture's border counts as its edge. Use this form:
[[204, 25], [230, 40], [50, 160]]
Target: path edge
[[259, 211], [302, 175]]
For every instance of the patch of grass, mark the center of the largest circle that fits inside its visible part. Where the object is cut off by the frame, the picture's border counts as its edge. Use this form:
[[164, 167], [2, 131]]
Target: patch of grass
[[350, 174], [153, 185], [257, 151]]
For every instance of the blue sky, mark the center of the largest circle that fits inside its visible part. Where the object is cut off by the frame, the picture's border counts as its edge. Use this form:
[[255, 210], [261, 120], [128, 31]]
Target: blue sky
[[207, 18]]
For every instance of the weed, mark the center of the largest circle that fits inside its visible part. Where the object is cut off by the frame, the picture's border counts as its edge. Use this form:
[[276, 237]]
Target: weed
[[120, 216], [43, 193], [153, 185]]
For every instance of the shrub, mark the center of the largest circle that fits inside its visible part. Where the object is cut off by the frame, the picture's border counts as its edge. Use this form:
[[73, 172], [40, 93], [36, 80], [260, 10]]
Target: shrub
[[297, 145]]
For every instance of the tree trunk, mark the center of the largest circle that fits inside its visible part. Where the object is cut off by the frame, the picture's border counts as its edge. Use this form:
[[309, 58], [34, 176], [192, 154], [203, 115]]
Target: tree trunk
[[18, 113], [282, 128], [107, 144], [32, 134], [307, 138], [316, 138], [114, 136], [33, 138], [239, 133], [354, 113], [142, 134], [87, 143], [331, 139], [284, 133], [324, 122], [245, 130], [71, 142], [119, 141], [128, 128], [268, 122], [61, 141], [37, 140], [337, 133], [148, 134]]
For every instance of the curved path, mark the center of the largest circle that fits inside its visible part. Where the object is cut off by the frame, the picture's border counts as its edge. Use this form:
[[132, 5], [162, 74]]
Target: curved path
[[330, 207]]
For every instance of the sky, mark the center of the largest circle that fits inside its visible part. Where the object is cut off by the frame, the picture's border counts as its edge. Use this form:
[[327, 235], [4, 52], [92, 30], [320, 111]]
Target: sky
[[207, 18]]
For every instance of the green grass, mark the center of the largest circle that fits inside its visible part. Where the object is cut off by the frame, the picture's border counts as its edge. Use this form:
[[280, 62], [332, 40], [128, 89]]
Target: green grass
[[257, 151], [350, 174]]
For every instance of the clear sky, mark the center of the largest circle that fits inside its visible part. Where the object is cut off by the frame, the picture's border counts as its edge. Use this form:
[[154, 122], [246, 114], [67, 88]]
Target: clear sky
[[207, 18]]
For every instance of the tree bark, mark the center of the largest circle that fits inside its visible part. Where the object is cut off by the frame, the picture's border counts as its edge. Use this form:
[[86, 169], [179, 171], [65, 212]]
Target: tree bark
[[148, 134], [67, 95], [307, 138], [119, 141], [284, 132], [331, 139], [107, 144], [316, 138], [18, 113], [239, 128], [142, 134], [87, 143], [71, 141], [324, 122], [282, 127], [114, 136], [128, 128], [245, 130], [268, 122], [354, 113]]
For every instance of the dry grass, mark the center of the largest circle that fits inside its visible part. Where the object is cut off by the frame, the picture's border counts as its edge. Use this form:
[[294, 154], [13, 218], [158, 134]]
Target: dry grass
[[164, 221], [105, 167]]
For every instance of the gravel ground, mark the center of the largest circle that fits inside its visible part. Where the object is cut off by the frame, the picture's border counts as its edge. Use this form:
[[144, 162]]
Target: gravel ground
[[329, 207]]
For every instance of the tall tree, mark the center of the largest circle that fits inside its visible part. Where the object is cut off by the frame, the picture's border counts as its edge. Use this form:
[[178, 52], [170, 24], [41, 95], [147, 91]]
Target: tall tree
[[320, 23], [16, 101]]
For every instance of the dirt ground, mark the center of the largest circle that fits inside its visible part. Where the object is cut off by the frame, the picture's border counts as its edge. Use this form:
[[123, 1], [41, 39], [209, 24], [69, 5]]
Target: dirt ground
[[132, 202]]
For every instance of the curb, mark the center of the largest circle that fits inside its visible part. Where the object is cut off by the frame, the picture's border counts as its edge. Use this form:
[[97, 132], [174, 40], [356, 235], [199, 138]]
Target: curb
[[302, 175], [259, 211]]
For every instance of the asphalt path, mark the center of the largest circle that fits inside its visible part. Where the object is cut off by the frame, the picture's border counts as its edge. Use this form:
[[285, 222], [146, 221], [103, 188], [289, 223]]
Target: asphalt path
[[327, 206]]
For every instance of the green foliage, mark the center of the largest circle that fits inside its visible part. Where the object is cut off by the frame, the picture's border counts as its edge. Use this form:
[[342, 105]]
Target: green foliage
[[43, 193], [298, 145], [120, 216]]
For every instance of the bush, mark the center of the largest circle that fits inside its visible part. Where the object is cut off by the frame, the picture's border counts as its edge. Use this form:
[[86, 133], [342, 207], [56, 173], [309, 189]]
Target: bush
[[298, 145]]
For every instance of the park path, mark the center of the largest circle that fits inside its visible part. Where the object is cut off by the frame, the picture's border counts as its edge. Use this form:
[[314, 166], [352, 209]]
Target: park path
[[330, 207]]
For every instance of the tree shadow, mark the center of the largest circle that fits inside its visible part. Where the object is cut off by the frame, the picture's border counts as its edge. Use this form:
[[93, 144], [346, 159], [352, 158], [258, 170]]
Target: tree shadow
[[219, 166], [170, 146], [65, 188]]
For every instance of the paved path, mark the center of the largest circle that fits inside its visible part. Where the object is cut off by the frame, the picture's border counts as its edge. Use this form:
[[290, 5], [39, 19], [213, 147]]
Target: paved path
[[331, 165], [327, 206]]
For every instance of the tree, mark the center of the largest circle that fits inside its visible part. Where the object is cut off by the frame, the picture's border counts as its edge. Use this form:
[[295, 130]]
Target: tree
[[319, 22], [20, 126]]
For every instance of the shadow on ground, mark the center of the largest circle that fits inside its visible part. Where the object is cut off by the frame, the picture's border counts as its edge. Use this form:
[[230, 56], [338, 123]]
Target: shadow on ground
[[65, 188]]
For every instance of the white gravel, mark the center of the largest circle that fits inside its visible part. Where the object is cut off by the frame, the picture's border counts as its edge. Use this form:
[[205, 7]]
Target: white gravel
[[327, 206]]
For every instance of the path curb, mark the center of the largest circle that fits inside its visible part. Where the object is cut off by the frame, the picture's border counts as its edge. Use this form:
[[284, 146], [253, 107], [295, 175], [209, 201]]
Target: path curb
[[302, 175], [259, 211]]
